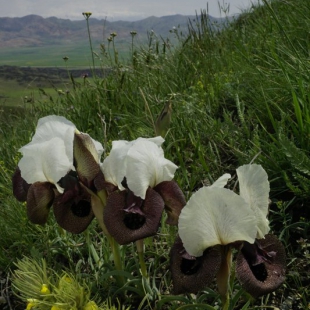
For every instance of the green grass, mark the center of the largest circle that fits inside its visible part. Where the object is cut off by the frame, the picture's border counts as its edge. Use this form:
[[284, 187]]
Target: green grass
[[46, 55], [14, 94], [52, 55], [238, 95]]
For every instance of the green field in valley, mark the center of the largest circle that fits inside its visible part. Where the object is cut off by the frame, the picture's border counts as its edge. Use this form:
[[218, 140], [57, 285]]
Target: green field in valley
[[52, 55], [14, 94], [26, 85], [13, 90], [45, 56], [16, 89]]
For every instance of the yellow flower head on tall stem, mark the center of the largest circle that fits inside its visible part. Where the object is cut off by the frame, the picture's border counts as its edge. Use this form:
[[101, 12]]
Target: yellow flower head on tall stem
[[87, 15]]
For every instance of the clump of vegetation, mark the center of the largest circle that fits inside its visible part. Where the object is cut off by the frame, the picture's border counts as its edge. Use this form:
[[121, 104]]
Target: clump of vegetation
[[237, 93]]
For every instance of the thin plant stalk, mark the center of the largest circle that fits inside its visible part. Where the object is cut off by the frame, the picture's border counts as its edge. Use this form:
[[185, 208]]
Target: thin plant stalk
[[133, 33], [117, 259], [114, 245], [98, 203], [223, 276], [113, 35], [140, 249], [87, 15]]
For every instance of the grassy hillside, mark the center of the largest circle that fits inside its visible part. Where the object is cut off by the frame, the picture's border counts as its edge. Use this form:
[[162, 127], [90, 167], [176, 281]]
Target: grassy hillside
[[238, 96]]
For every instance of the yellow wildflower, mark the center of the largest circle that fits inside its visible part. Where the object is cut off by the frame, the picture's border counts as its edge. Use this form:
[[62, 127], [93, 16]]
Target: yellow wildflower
[[87, 14], [67, 279], [91, 305], [31, 303], [45, 290]]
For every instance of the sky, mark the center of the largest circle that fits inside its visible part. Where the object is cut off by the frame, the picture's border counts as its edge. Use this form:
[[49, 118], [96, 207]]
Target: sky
[[114, 10]]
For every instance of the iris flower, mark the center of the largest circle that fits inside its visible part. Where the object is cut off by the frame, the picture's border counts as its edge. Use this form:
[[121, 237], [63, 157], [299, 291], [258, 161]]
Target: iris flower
[[56, 168], [214, 221], [140, 187]]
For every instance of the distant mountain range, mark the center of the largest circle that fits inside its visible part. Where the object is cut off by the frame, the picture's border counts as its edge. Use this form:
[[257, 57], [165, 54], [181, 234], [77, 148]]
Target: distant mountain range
[[34, 30]]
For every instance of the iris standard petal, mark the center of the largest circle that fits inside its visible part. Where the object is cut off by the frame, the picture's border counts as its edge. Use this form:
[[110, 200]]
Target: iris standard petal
[[221, 181], [146, 167], [215, 216], [126, 221], [174, 200], [114, 165], [254, 188], [45, 162], [99, 149], [55, 126], [141, 162], [49, 156], [193, 275], [264, 274], [40, 198], [141, 168], [157, 140]]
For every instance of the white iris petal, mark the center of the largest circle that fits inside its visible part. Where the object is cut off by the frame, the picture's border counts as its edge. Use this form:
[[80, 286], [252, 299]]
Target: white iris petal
[[99, 149], [157, 140], [114, 165], [215, 216], [254, 188], [141, 161], [221, 181], [55, 126], [49, 156]]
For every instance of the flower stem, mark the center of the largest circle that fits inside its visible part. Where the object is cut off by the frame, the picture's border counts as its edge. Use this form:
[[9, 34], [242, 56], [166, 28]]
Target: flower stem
[[223, 276], [102, 195], [117, 259], [98, 203], [140, 249], [90, 43]]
